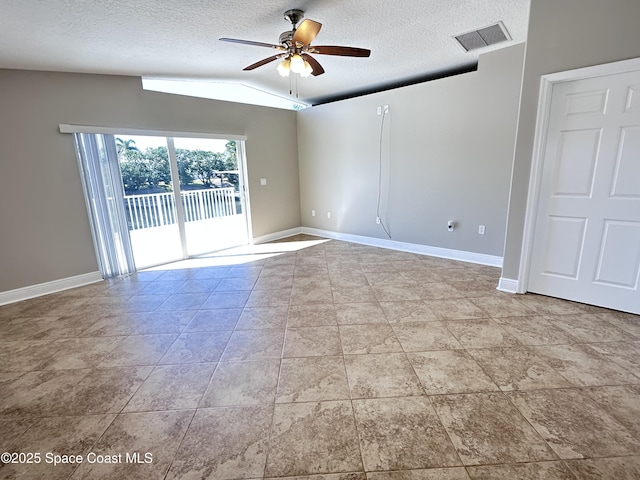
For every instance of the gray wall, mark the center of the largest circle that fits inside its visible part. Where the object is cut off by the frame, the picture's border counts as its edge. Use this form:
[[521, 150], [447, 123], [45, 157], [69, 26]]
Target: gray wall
[[563, 35], [44, 231], [448, 146]]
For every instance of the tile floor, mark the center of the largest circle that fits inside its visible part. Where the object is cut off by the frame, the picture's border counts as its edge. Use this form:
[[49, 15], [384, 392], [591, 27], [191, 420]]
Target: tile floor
[[332, 362]]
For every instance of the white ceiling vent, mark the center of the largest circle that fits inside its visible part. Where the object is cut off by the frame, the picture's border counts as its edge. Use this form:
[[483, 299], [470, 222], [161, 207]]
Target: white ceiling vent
[[483, 37]]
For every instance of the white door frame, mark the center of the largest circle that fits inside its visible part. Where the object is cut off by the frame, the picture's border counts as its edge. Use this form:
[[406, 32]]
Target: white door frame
[[540, 141]]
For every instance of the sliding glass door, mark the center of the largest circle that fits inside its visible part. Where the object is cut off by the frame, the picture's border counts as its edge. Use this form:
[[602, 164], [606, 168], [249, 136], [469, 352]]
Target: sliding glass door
[[149, 199], [178, 197], [212, 186]]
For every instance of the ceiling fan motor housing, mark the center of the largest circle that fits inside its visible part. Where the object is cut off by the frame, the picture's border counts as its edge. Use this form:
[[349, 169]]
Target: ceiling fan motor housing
[[286, 38]]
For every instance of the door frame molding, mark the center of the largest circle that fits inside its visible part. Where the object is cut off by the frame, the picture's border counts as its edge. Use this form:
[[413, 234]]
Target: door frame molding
[[547, 84]]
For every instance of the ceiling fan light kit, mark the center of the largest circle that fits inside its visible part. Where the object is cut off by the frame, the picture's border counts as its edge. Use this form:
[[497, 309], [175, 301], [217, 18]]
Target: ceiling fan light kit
[[295, 47]]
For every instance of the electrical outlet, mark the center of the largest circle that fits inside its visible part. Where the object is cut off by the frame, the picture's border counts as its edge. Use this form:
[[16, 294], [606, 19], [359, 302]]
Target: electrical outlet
[[263, 181], [328, 214], [386, 109], [313, 213], [379, 110], [481, 229], [378, 220], [450, 225]]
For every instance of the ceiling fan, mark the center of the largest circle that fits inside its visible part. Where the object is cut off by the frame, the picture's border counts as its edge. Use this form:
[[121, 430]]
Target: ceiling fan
[[295, 47]]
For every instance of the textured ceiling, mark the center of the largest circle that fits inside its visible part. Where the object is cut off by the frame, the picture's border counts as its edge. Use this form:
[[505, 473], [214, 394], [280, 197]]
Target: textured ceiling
[[409, 40]]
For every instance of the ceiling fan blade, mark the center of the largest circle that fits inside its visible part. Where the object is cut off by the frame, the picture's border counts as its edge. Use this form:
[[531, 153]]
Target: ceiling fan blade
[[306, 32], [317, 68], [250, 42], [342, 51], [262, 62]]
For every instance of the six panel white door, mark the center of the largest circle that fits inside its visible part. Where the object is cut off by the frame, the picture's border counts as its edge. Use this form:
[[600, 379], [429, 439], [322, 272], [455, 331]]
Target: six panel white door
[[586, 244]]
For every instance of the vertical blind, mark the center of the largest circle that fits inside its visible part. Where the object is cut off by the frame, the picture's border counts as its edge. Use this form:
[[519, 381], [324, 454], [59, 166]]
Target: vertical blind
[[102, 185]]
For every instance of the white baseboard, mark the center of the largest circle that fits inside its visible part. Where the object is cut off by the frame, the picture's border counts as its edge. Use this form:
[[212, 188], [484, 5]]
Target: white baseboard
[[471, 257], [46, 288], [508, 285], [271, 237]]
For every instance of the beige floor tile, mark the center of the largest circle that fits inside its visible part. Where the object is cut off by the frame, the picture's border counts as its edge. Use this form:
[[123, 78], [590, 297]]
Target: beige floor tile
[[172, 387], [450, 371], [242, 383], [246, 345], [312, 341], [224, 443], [458, 309], [310, 438], [359, 313], [625, 354], [481, 334], [110, 325], [583, 366], [184, 301], [622, 403], [235, 284], [343, 279], [214, 320], [265, 298], [166, 321], [226, 300], [138, 350], [39, 393], [550, 306], [587, 328], [253, 318], [310, 294], [618, 468], [321, 281], [149, 302], [501, 306], [12, 428], [574, 425], [422, 337], [26, 355], [523, 471], [381, 375], [310, 270], [451, 473], [274, 282], [102, 390], [41, 328], [81, 352], [312, 379], [353, 294], [55, 435], [374, 338], [402, 434], [535, 330], [326, 476], [199, 285], [389, 278], [625, 321], [408, 312], [390, 293], [313, 315], [486, 428], [196, 347], [157, 434], [213, 351], [518, 369], [438, 291]]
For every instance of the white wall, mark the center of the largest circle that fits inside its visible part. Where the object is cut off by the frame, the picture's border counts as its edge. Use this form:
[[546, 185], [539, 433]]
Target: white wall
[[448, 145], [563, 35], [44, 230]]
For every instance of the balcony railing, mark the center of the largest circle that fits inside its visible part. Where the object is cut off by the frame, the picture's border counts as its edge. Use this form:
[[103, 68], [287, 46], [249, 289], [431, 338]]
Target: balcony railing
[[158, 209]]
